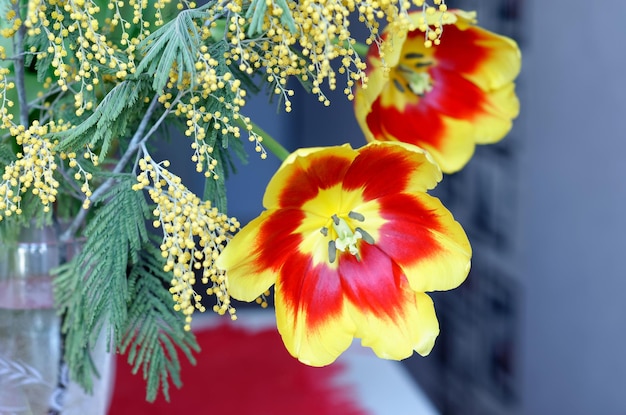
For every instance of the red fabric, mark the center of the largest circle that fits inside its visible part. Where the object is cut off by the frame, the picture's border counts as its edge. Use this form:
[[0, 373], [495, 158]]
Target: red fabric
[[240, 372]]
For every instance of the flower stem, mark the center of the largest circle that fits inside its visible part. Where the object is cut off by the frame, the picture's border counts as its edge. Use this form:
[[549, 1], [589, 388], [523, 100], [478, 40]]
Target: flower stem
[[268, 142], [361, 49], [218, 29], [271, 144], [18, 65], [133, 146]]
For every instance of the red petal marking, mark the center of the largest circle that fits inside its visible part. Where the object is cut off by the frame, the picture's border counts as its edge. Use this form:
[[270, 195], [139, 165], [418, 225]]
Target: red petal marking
[[417, 124], [413, 34], [373, 59], [375, 120], [313, 290], [460, 51], [454, 95], [277, 238], [374, 50], [379, 171], [305, 182], [422, 123], [406, 235], [375, 284]]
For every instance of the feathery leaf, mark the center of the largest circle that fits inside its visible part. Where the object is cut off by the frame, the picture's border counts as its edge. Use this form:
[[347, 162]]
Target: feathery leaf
[[91, 289], [110, 119], [155, 331]]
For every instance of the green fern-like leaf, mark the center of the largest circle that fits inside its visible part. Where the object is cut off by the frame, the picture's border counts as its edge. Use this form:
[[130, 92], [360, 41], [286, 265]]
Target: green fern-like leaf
[[155, 332], [175, 44], [43, 62], [215, 189], [91, 290], [257, 11], [7, 156], [118, 109]]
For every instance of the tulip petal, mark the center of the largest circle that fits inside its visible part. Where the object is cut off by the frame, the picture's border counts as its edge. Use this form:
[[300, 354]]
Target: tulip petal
[[422, 238], [445, 98], [311, 314], [500, 107], [255, 255], [390, 318], [490, 113], [448, 140], [304, 173], [488, 60], [413, 170], [419, 315]]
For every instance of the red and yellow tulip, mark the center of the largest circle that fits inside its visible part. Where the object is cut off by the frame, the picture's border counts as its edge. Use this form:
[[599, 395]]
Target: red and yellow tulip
[[445, 98], [352, 242]]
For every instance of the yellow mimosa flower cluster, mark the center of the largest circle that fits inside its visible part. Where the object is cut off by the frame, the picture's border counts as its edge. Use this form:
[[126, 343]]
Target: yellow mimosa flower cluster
[[61, 19], [194, 92], [317, 33], [6, 85], [15, 23], [35, 168], [194, 234]]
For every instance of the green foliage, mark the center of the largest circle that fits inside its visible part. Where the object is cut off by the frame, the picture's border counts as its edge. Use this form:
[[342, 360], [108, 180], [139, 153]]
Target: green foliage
[[175, 42], [154, 329], [116, 284], [215, 190], [91, 290], [7, 156], [41, 63], [32, 215], [120, 108], [257, 13]]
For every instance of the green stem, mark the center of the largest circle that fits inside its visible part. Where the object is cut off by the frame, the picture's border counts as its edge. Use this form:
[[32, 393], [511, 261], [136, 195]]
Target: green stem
[[18, 65], [218, 29], [361, 49], [269, 142], [133, 146]]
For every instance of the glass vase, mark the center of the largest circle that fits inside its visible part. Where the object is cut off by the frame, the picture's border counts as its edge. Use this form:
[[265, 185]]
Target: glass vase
[[33, 376]]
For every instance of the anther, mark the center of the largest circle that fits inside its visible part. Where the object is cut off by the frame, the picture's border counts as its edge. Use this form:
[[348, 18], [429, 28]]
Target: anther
[[398, 85], [356, 216], [332, 252], [324, 231], [414, 55], [365, 236], [335, 219]]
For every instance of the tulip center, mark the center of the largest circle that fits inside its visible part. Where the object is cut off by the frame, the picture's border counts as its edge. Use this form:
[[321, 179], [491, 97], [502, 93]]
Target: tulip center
[[347, 236], [413, 70]]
